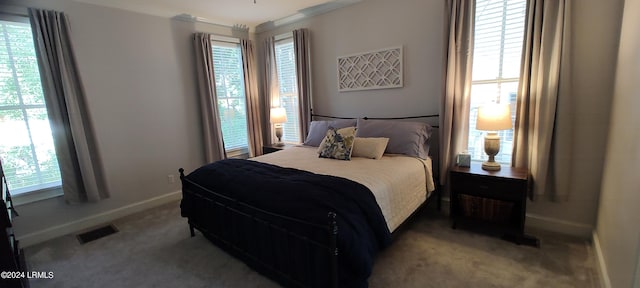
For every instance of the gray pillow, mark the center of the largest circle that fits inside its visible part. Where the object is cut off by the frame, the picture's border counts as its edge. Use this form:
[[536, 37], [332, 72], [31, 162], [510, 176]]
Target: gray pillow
[[408, 138], [318, 129]]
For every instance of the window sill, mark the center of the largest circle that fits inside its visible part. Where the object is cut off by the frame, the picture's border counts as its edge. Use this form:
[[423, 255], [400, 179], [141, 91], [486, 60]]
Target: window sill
[[36, 195], [241, 153]]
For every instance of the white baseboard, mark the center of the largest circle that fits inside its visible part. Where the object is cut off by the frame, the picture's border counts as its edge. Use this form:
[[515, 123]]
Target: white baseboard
[[546, 223], [97, 219], [605, 282]]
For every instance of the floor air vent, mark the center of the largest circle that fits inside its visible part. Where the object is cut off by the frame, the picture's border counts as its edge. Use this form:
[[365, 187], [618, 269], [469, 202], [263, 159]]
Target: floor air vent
[[96, 233]]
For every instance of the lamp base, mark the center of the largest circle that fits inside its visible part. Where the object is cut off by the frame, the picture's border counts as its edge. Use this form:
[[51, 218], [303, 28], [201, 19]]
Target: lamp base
[[491, 166], [491, 147], [279, 135], [278, 144]]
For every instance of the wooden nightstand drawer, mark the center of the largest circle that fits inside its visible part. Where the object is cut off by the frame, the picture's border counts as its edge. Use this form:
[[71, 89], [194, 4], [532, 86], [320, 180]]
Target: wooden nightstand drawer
[[490, 187]]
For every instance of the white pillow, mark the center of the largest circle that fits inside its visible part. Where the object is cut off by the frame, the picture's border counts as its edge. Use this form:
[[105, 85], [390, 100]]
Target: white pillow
[[372, 148]]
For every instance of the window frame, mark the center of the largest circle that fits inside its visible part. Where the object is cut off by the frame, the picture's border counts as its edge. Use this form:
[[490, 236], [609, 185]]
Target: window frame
[[43, 193], [22, 196], [231, 42], [499, 81], [287, 38]]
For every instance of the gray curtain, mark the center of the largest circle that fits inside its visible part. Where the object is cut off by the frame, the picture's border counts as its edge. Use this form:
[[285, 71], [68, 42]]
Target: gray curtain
[[271, 87], [212, 132], [254, 124], [540, 143], [454, 114], [303, 71], [81, 169]]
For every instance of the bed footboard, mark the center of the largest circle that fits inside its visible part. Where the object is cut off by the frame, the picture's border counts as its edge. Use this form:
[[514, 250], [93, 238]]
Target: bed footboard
[[293, 252]]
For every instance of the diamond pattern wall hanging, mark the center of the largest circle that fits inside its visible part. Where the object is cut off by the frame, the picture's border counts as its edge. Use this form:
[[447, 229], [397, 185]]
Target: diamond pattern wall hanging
[[379, 69]]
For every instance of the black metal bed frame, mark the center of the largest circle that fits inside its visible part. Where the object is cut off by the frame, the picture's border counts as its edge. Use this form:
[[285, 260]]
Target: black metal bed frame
[[381, 118], [217, 217]]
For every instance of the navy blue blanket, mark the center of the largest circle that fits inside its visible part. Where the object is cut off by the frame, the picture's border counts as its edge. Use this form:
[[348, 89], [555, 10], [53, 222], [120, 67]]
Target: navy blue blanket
[[309, 197]]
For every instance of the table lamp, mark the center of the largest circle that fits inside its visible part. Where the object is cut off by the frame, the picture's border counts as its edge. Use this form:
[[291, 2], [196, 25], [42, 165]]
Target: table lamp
[[492, 118], [278, 116]]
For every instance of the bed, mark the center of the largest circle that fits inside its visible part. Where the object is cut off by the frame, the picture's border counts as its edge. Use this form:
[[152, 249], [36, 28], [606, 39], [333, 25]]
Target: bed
[[304, 220]]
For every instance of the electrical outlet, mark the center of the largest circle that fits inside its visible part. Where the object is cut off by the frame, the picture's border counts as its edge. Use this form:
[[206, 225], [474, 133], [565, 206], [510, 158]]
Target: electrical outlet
[[171, 179]]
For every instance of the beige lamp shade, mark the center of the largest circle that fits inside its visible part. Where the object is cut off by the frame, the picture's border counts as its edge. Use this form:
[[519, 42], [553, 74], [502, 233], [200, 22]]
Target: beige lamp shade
[[494, 117], [278, 115]]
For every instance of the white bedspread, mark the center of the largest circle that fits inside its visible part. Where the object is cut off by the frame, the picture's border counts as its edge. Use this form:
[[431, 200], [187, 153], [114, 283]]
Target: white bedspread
[[399, 183]]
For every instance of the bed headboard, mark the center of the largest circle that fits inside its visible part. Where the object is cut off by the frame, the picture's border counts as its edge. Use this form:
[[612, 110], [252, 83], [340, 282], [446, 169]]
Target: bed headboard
[[434, 140]]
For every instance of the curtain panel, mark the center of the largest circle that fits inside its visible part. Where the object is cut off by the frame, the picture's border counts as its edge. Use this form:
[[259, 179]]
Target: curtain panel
[[212, 131], [271, 87], [454, 111], [541, 143], [301, 43], [78, 156], [254, 124]]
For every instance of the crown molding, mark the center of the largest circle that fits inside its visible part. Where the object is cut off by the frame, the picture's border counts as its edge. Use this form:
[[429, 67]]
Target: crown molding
[[195, 19], [270, 25], [304, 14]]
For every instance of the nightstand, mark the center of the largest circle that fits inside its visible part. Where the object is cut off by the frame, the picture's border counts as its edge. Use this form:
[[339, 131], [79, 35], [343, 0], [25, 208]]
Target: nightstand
[[491, 200], [270, 148]]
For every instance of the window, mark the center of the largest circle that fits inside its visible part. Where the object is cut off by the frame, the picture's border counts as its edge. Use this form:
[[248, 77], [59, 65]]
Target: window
[[499, 31], [26, 145], [229, 77], [286, 66]]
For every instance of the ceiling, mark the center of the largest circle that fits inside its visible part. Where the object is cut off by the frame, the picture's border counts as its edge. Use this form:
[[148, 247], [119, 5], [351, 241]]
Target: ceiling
[[225, 12]]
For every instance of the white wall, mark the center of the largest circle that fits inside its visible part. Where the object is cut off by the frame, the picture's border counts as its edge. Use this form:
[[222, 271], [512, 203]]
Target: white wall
[[417, 25], [618, 215], [139, 75]]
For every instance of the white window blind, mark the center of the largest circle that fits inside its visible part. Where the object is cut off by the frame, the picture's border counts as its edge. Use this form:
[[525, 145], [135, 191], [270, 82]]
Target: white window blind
[[26, 144], [286, 66], [499, 31], [229, 77]]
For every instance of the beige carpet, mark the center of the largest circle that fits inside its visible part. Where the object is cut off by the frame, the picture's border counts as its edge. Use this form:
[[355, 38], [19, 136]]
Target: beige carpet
[[153, 249]]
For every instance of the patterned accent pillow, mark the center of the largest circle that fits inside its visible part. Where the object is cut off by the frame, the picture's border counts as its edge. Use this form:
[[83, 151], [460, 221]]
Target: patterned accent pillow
[[338, 144]]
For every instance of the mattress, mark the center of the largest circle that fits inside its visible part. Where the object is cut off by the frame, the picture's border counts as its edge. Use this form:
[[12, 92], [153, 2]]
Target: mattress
[[399, 183]]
